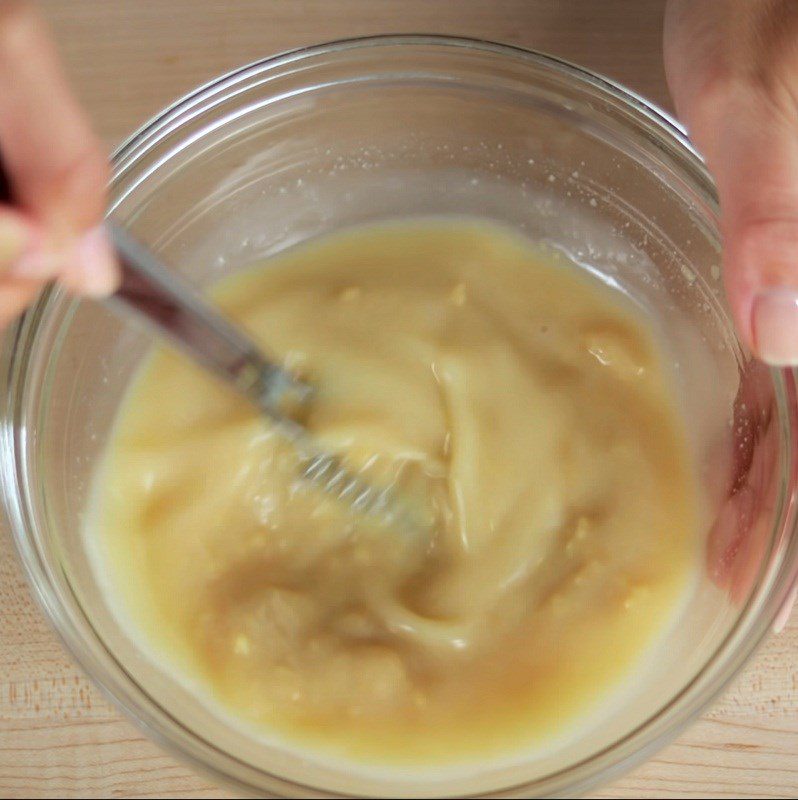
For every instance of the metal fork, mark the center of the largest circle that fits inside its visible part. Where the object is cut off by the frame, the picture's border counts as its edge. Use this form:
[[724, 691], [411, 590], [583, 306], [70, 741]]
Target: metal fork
[[169, 305], [156, 295]]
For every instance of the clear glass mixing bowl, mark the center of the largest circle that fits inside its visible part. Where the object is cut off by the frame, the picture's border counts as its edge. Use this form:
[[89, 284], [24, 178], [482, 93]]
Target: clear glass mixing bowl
[[317, 139]]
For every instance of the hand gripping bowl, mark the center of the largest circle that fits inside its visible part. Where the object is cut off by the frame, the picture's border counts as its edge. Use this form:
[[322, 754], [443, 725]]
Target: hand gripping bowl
[[314, 140]]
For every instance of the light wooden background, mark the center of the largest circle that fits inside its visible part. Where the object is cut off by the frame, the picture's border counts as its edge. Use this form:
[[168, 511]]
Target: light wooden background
[[58, 735]]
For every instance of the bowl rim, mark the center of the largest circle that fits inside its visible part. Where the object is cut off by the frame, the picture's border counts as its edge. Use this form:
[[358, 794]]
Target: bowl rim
[[600, 766]]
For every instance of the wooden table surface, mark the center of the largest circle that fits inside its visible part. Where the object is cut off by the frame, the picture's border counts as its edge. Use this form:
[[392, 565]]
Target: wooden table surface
[[59, 737]]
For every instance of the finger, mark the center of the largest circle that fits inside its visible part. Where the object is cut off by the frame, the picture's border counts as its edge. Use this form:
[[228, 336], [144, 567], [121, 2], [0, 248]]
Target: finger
[[18, 237], [754, 158], [48, 146], [739, 535], [732, 68], [87, 274], [56, 165]]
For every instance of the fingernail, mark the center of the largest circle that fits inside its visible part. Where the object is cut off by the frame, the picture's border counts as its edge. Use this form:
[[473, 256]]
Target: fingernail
[[14, 239], [784, 613], [98, 270], [775, 327]]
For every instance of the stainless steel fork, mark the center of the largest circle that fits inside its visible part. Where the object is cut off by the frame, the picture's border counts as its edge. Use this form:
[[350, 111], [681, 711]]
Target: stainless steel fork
[[157, 296]]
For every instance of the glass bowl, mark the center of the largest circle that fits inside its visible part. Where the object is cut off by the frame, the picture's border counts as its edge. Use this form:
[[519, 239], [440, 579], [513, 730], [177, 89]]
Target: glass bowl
[[330, 136]]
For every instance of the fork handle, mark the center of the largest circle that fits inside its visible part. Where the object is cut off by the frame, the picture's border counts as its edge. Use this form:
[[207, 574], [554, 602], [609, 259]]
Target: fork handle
[[173, 307]]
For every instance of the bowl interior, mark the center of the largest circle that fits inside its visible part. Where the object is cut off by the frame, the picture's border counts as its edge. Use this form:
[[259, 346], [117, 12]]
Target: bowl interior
[[312, 142]]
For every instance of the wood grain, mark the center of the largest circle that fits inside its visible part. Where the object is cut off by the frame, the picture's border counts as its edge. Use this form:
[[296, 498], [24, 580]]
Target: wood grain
[[59, 737]]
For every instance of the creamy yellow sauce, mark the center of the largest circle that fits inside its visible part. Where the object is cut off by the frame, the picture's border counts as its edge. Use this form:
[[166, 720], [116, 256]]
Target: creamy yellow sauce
[[514, 399]]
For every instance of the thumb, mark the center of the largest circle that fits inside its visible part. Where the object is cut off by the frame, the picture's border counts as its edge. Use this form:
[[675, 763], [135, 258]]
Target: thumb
[[751, 147]]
